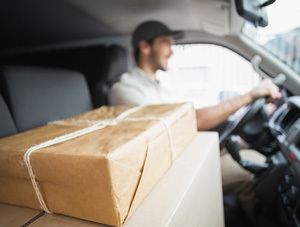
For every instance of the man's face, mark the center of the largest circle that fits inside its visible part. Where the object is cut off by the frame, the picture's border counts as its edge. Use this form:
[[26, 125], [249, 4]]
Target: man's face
[[161, 52]]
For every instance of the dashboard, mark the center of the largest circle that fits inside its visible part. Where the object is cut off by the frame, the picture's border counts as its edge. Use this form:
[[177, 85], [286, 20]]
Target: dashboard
[[285, 127]]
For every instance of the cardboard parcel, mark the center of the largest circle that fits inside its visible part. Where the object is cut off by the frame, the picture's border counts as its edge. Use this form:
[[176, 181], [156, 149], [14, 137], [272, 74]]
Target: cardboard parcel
[[97, 166]]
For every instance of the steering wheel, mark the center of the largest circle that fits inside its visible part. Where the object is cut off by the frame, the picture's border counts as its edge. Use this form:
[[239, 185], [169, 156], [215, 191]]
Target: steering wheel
[[245, 114]]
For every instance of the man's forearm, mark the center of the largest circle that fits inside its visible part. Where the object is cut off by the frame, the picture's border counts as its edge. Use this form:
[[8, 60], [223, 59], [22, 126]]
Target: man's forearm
[[210, 117]]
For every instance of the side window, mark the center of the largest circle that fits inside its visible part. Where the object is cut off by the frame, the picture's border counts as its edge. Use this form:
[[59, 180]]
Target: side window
[[281, 37], [207, 74]]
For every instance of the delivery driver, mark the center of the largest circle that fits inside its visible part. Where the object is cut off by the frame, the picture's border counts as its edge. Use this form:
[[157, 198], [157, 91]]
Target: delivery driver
[[152, 43]]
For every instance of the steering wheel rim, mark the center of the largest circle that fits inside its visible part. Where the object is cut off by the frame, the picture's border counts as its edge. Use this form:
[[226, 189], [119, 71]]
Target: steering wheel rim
[[249, 112]]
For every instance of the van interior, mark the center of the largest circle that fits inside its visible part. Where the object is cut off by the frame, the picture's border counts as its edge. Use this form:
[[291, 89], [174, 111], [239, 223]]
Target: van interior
[[59, 58]]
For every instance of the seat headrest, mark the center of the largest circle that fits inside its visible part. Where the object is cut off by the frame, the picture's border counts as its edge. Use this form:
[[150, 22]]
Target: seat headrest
[[38, 95], [117, 63]]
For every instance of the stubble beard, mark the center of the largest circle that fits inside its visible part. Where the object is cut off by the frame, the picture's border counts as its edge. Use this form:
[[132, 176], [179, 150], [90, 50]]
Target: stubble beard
[[156, 63]]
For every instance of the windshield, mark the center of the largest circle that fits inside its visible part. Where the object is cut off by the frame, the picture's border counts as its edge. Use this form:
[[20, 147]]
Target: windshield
[[282, 35]]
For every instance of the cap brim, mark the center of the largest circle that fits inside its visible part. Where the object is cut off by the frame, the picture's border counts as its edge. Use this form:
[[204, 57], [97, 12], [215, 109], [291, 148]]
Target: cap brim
[[176, 34]]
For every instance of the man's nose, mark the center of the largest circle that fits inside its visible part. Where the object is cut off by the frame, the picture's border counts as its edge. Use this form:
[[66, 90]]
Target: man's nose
[[171, 51]]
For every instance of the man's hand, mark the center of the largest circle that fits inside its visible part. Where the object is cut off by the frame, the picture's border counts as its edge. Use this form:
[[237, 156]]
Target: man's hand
[[210, 117], [265, 89]]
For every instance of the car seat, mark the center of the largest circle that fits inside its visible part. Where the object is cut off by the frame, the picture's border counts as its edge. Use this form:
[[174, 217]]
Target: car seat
[[6, 121], [116, 63], [39, 95]]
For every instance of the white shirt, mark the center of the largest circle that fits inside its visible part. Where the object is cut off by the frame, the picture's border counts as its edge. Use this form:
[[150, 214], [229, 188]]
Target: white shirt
[[137, 88]]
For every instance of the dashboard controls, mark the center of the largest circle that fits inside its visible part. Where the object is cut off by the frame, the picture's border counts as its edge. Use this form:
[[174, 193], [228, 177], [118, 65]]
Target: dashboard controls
[[291, 197], [289, 191], [285, 184], [284, 125]]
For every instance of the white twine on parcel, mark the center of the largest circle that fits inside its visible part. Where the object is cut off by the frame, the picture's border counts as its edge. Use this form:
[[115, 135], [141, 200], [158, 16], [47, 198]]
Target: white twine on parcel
[[72, 135]]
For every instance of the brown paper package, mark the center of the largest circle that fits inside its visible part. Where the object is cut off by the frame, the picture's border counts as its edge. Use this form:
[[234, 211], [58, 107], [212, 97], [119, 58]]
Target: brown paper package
[[101, 176]]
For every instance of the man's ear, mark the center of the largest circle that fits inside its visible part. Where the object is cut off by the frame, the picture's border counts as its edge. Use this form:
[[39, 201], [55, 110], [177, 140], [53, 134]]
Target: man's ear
[[144, 47]]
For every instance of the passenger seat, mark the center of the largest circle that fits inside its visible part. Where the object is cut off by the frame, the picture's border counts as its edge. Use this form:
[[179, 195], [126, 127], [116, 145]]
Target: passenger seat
[[7, 124], [39, 95]]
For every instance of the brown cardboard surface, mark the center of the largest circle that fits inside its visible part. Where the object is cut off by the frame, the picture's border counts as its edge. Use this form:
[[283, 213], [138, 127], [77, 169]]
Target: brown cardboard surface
[[57, 220], [14, 216], [101, 176], [189, 194]]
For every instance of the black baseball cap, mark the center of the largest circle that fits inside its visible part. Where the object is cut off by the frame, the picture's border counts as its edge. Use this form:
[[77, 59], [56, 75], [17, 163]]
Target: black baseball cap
[[152, 29]]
